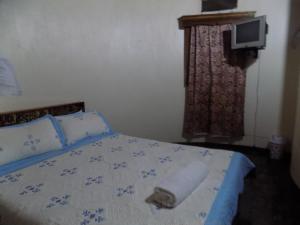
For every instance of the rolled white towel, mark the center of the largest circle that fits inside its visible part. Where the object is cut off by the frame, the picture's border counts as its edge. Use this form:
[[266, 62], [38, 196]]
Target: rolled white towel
[[179, 185]]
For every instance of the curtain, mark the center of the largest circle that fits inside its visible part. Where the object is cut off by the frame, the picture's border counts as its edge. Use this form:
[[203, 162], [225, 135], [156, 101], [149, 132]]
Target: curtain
[[8, 83], [215, 89]]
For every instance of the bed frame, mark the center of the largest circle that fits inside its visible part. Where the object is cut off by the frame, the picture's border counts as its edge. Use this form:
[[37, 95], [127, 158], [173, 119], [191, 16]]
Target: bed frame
[[22, 116]]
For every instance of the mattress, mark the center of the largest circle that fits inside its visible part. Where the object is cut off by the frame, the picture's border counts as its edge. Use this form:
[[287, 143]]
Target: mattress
[[107, 182]]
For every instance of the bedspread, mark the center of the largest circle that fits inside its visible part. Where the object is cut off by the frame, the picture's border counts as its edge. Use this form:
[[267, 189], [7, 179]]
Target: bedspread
[[107, 182]]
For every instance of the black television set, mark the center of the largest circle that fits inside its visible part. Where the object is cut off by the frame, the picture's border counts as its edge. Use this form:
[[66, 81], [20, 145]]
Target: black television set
[[249, 33]]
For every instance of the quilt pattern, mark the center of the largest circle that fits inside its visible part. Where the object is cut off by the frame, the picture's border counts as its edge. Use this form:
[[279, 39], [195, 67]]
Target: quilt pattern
[[107, 183]]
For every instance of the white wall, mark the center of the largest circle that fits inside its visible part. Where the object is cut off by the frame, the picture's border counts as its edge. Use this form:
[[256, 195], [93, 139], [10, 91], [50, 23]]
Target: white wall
[[125, 58]]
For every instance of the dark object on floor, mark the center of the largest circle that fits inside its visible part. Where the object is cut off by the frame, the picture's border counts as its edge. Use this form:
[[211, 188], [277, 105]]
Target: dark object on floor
[[213, 5], [270, 196]]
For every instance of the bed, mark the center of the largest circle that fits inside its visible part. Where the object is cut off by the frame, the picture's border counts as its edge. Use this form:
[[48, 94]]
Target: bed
[[107, 179]]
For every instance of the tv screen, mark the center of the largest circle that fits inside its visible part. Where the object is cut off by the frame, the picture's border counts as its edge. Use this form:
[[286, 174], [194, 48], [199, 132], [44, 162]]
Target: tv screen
[[243, 33], [249, 34]]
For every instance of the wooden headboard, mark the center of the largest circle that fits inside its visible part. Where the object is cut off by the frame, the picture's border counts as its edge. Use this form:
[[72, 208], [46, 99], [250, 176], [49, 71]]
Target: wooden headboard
[[22, 116]]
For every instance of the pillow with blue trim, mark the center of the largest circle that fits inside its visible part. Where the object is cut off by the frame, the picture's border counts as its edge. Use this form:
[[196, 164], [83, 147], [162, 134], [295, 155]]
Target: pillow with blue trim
[[28, 139], [80, 126]]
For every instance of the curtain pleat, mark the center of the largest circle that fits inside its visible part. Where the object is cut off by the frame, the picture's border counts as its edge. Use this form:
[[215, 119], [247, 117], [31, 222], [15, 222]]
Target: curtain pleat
[[215, 91]]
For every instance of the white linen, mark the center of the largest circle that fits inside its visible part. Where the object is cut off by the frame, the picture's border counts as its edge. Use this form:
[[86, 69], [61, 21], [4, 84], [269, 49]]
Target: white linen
[[107, 183], [80, 125], [175, 188], [21, 141]]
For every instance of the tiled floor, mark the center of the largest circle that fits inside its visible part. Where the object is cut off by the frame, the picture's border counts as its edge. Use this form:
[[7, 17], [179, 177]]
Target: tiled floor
[[270, 197]]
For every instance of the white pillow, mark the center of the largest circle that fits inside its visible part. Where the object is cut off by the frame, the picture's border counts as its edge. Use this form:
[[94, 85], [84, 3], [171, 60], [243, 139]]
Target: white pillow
[[24, 140], [80, 125]]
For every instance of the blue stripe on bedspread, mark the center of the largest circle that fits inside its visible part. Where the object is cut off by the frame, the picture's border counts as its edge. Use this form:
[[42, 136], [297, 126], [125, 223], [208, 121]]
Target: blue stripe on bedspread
[[23, 163], [225, 205]]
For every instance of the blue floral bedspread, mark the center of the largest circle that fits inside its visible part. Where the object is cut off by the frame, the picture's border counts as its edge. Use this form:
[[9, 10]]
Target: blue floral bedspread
[[107, 182]]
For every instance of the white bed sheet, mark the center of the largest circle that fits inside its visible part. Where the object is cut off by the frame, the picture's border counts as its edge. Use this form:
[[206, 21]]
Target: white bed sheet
[[107, 182]]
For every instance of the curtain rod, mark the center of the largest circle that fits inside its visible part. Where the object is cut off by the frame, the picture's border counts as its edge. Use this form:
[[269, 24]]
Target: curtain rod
[[213, 19]]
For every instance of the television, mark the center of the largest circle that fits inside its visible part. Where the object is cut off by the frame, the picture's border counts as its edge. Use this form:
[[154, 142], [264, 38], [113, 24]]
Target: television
[[249, 33]]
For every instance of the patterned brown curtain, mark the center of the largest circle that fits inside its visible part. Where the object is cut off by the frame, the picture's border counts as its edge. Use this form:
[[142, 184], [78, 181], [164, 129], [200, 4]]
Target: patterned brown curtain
[[215, 90]]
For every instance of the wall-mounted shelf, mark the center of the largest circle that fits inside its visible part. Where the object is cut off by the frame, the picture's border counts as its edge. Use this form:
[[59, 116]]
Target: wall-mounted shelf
[[213, 19], [186, 22]]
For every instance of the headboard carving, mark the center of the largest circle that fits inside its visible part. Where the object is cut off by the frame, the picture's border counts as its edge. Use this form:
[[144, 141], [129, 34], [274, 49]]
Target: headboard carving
[[22, 116]]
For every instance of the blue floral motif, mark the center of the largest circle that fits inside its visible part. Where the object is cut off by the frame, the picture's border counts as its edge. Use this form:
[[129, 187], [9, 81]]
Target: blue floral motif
[[58, 201], [47, 163], [132, 140], [154, 144], [157, 207], [98, 158], [87, 134], [206, 153], [32, 189], [119, 165], [179, 148], [93, 216], [165, 159], [129, 190], [202, 215], [115, 136], [11, 178], [138, 154], [149, 173], [216, 189], [93, 180], [117, 149], [32, 142], [97, 144], [66, 172], [75, 153]]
